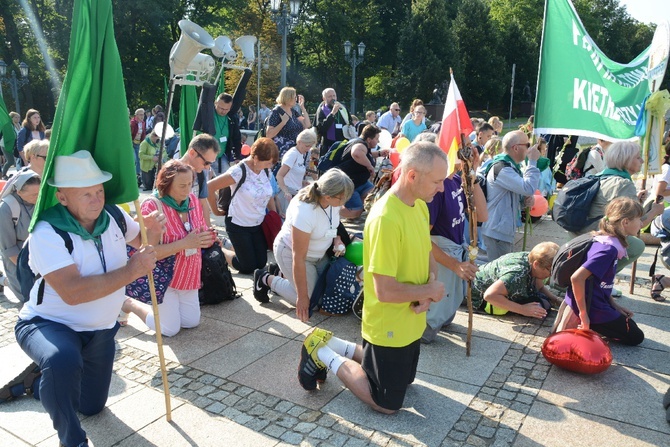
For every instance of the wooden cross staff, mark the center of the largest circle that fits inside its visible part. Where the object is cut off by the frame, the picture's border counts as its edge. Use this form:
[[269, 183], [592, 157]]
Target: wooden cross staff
[[157, 320]]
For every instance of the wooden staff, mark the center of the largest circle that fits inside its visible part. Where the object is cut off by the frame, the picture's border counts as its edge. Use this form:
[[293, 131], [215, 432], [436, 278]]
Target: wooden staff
[[157, 320], [468, 181]]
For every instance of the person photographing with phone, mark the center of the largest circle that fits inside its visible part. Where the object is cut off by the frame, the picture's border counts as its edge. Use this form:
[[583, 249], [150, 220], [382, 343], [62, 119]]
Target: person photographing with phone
[[331, 121], [285, 122]]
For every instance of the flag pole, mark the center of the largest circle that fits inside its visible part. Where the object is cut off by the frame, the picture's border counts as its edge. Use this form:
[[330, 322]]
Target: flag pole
[[154, 305], [468, 186]]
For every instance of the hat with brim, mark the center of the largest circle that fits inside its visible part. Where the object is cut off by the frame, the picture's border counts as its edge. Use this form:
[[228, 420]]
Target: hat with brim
[[78, 170]]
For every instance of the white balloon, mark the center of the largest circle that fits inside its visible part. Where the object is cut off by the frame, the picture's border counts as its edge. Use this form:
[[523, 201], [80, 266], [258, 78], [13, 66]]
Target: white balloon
[[385, 139]]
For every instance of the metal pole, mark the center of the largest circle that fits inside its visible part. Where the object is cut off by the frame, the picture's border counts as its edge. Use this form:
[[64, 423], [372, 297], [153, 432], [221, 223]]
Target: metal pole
[[284, 35], [13, 82], [511, 95], [353, 84]]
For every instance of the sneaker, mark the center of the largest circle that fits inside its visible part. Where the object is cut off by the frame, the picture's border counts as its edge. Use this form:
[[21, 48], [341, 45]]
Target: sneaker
[[226, 243], [260, 288], [312, 369], [273, 269], [616, 293], [26, 378]]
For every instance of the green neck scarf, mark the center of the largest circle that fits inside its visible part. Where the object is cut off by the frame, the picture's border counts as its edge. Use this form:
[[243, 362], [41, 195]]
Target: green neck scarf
[[172, 203], [615, 172], [59, 217], [507, 158]]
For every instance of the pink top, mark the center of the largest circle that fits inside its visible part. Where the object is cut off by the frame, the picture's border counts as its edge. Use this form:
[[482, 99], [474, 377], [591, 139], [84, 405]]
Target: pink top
[[187, 268]]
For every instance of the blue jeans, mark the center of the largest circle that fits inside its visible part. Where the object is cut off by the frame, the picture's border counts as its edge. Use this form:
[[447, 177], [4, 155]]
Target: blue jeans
[[355, 203], [76, 371]]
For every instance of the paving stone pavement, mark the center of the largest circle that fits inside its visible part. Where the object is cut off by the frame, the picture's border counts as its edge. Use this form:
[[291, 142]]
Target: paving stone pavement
[[233, 382]]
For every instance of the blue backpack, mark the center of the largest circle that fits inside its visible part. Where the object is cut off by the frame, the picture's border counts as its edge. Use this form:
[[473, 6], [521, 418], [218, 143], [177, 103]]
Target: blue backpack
[[25, 274], [573, 203], [336, 289]]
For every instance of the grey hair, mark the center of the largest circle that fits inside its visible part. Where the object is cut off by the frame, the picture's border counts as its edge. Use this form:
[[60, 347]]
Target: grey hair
[[35, 147], [620, 154], [332, 183], [512, 139], [421, 156], [326, 90], [430, 137], [307, 136]]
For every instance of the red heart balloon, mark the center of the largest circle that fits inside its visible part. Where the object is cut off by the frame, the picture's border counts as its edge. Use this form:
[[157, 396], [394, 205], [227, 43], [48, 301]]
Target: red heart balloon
[[578, 351]]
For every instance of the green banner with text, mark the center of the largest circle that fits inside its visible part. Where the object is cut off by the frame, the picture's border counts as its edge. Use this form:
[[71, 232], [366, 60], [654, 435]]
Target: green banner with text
[[580, 90]]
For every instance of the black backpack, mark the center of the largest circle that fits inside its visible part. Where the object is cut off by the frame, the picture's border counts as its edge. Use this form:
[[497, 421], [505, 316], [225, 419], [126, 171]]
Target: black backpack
[[569, 257], [25, 274], [497, 166], [573, 203], [333, 157], [218, 284]]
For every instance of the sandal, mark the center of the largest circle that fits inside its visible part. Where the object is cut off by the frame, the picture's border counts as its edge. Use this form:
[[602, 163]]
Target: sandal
[[657, 287]]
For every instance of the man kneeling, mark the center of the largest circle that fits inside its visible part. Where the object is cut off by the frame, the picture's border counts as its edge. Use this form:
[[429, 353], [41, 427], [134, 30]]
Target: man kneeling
[[515, 283]]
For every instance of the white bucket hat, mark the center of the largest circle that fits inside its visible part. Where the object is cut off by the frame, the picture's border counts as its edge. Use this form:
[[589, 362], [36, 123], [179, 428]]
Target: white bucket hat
[[77, 171]]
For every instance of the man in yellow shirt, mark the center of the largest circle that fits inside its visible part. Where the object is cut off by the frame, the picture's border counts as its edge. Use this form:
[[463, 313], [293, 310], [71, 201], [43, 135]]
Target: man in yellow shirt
[[400, 285]]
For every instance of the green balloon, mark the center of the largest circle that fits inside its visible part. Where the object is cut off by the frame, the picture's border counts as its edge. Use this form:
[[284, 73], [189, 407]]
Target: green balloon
[[354, 253]]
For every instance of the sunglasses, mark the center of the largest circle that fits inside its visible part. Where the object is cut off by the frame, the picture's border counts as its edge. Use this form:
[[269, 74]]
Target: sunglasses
[[523, 144], [207, 163]]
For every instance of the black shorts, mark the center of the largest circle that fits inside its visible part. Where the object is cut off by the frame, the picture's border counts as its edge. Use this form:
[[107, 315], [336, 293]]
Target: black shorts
[[389, 371]]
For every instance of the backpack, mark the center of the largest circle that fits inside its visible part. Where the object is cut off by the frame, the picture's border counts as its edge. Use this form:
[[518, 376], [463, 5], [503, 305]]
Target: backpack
[[497, 166], [25, 274], [337, 288], [568, 258], [575, 168], [263, 130], [218, 284], [573, 203], [14, 206], [333, 157]]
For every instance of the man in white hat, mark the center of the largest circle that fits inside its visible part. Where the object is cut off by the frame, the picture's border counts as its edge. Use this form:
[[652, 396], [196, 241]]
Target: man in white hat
[[68, 325]]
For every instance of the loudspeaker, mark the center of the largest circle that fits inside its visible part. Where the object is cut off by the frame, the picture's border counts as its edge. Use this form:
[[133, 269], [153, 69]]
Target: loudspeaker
[[247, 44], [223, 48], [193, 39], [202, 64]]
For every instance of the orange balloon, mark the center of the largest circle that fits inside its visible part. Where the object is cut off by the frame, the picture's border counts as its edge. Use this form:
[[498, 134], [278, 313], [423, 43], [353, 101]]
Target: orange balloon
[[540, 207], [246, 149], [2, 184]]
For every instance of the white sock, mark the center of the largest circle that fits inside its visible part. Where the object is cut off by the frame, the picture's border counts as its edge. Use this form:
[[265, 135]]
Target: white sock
[[273, 283], [332, 359], [342, 347]]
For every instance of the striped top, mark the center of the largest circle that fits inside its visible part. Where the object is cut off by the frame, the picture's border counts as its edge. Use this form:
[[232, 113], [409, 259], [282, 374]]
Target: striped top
[[187, 268]]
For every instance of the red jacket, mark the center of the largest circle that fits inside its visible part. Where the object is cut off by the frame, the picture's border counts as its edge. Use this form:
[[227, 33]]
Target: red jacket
[[133, 130]]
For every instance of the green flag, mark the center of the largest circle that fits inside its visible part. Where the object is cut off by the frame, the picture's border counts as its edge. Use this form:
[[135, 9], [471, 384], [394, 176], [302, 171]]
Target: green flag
[[188, 109], [6, 127], [581, 91], [92, 109]]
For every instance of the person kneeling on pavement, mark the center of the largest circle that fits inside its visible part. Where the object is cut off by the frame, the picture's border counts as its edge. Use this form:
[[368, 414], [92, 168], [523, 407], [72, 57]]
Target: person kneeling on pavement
[[515, 283], [68, 325]]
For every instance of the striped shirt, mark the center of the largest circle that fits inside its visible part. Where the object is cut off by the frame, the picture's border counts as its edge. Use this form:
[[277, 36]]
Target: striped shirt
[[187, 268]]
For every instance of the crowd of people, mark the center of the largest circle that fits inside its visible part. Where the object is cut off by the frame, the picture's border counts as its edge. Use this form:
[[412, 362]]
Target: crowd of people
[[416, 256]]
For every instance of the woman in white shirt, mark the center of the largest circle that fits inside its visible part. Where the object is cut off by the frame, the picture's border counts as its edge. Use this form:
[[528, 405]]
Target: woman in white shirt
[[308, 232], [292, 172], [248, 205]]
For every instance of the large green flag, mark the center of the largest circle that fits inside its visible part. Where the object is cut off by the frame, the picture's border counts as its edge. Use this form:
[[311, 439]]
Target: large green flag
[[6, 127], [92, 109], [581, 91], [188, 109]]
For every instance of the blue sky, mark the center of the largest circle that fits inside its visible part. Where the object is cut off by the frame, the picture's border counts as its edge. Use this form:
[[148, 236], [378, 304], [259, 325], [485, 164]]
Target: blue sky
[[648, 10]]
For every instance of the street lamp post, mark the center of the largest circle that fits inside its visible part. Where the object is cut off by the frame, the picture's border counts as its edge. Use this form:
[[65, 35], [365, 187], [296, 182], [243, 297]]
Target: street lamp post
[[286, 19], [354, 59], [264, 63], [13, 82]]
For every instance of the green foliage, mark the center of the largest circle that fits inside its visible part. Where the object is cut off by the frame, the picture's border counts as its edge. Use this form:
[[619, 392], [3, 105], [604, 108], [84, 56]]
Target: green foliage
[[410, 46]]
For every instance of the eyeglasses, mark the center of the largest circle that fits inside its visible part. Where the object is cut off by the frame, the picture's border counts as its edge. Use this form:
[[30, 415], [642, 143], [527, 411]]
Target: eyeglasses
[[396, 110], [44, 157], [523, 144], [207, 163]]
